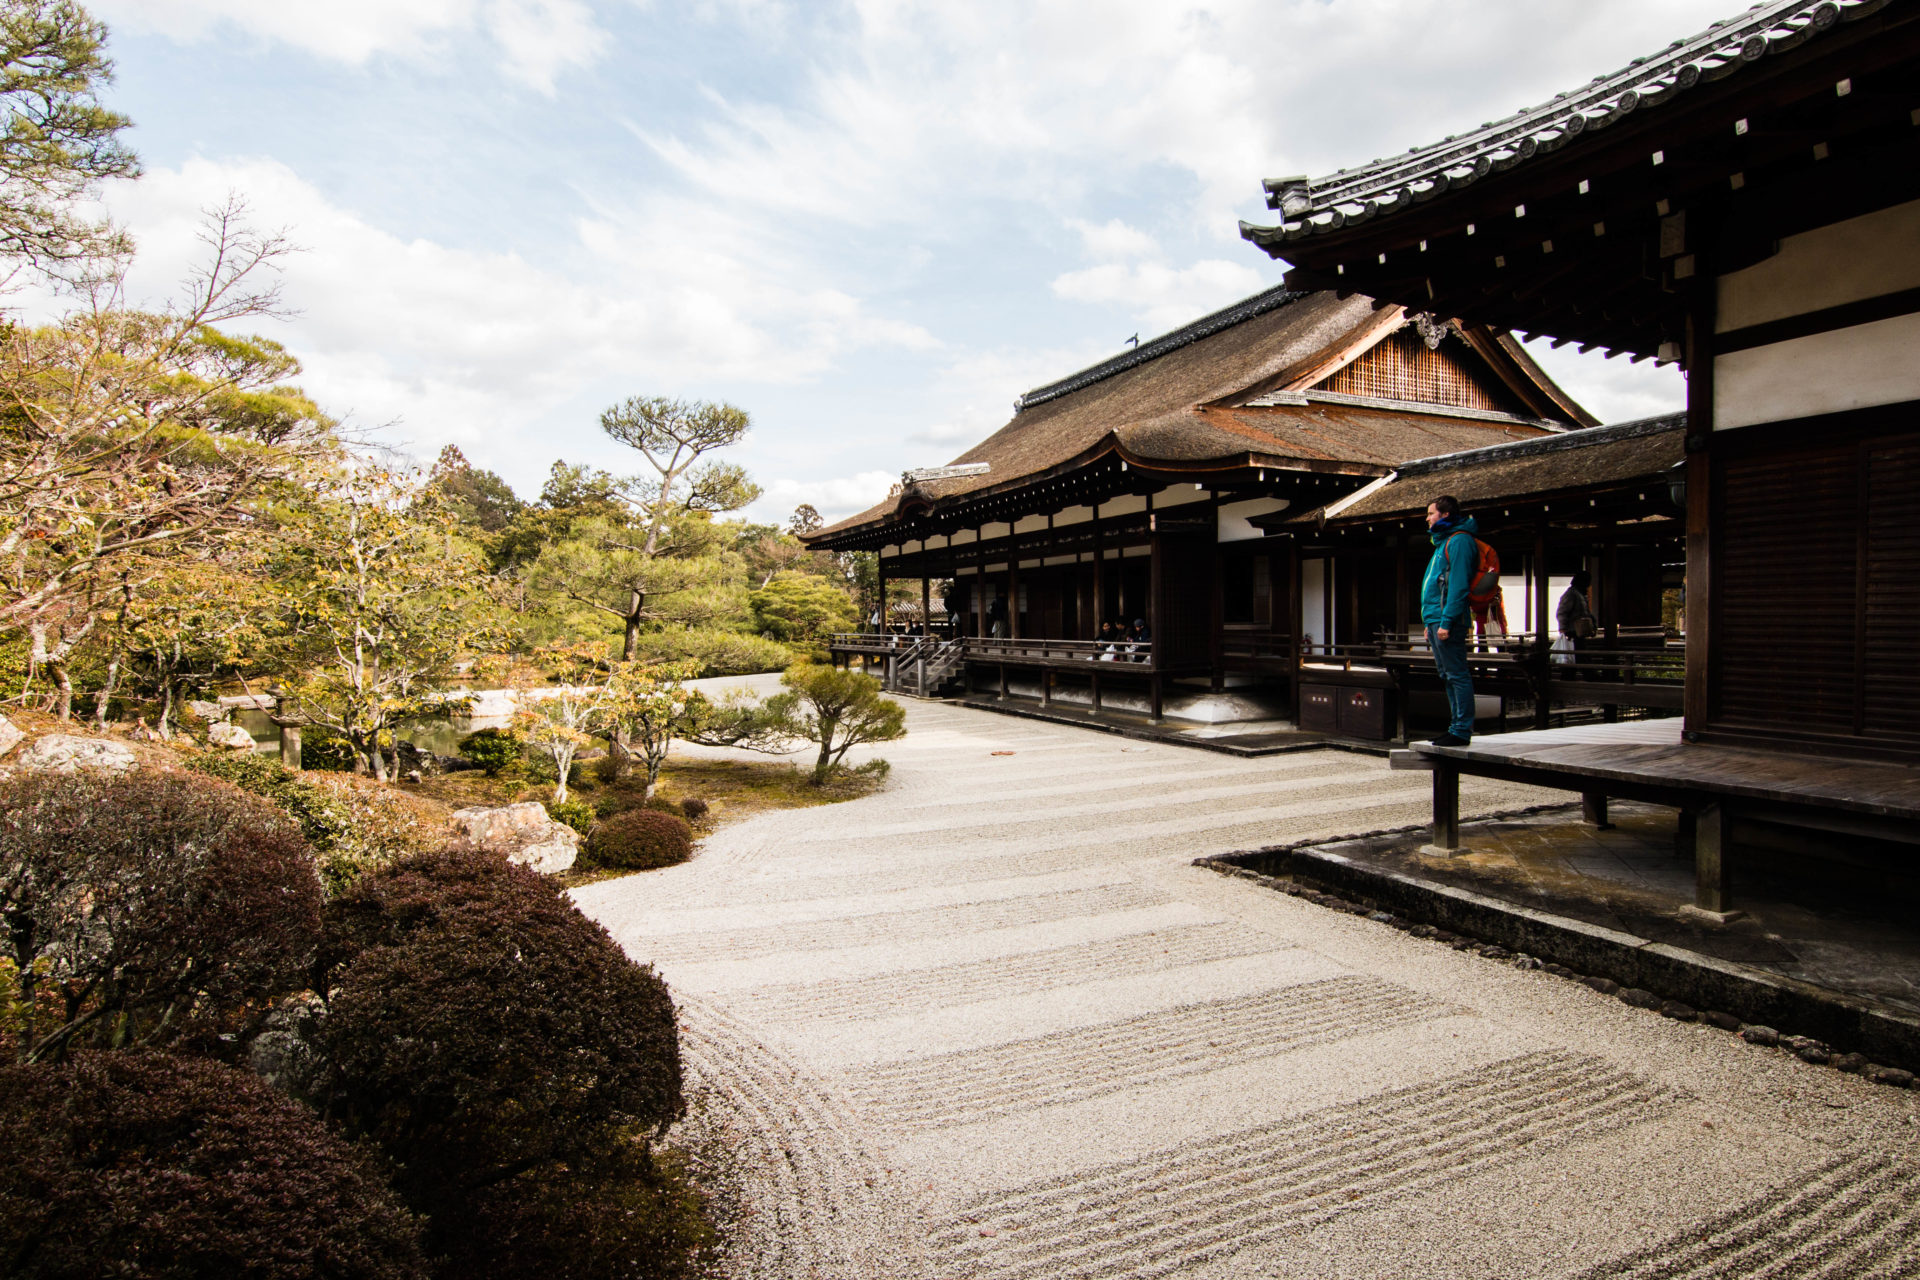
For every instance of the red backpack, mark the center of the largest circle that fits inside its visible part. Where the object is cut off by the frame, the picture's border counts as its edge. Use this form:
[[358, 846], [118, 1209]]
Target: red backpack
[[1484, 588]]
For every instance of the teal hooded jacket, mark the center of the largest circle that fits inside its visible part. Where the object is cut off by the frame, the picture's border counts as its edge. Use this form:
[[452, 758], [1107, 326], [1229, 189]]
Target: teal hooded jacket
[[1443, 595]]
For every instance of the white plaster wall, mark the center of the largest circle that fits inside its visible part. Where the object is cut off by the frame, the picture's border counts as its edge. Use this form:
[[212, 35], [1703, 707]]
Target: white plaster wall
[[1123, 505], [1072, 515], [1233, 517], [1178, 495], [1850, 368], [1030, 524], [1862, 257], [1313, 598]]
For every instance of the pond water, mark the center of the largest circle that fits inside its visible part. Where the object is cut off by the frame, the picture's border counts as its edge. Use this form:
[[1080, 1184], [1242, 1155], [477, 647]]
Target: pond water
[[440, 735]]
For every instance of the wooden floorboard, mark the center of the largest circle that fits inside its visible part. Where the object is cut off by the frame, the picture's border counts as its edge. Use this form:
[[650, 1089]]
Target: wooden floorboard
[[1649, 753]]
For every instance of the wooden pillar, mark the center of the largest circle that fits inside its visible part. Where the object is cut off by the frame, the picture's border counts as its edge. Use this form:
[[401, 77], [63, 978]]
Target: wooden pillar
[[926, 604], [1046, 686], [880, 580], [1295, 608], [1593, 809], [1003, 680], [1099, 587], [1402, 582], [1699, 366], [1712, 878], [1446, 810], [1096, 690], [1217, 612], [1543, 625], [1013, 583], [1154, 692]]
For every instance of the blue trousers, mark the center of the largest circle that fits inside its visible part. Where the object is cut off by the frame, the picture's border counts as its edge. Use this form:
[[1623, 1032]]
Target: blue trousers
[[1450, 657]]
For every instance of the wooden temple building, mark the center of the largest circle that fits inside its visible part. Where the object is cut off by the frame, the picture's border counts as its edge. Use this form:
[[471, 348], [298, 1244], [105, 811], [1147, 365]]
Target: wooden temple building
[[1167, 486], [1746, 202]]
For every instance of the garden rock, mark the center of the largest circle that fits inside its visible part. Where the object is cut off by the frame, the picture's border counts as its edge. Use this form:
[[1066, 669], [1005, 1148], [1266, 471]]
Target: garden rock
[[10, 736], [1890, 1075], [66, 752], [524, 832], [285, 1053], [230, 736], [208, 711], [1760, 1035]]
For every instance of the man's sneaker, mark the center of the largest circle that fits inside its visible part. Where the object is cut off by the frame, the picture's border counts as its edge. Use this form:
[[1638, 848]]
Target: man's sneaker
[[1448, 740]]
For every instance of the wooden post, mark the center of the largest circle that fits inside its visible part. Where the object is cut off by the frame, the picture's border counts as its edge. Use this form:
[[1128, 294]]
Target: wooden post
[[1295, 620], [1046, 686], [1096, 691], [1402, 582], [1699, 587], [1446, 810], [1003, 681], [1013, 583], [1543, 626], [1099, 582], [1593, 809], [1217, 641], [1712, 878], [926, 605], [1153, 693]]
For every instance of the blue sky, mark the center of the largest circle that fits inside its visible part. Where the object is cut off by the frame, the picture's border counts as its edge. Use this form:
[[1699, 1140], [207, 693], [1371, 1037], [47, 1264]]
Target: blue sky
[[872, 224]]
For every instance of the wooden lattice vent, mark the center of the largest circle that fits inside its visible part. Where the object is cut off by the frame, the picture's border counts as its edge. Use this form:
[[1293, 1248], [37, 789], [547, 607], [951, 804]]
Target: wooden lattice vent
[[1404, 367]]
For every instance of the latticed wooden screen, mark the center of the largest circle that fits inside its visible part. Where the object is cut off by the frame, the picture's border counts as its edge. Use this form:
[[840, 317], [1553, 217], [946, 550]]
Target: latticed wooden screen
[[1404, 368]]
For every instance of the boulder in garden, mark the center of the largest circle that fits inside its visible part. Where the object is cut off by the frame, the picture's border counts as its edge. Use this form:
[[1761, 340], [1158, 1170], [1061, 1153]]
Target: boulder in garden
[[524, 832]]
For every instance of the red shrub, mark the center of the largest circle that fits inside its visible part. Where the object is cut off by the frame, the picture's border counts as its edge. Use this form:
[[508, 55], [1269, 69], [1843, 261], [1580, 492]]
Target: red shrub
[[640, 840], [486, 1033], [145, 1166], [148, 907]]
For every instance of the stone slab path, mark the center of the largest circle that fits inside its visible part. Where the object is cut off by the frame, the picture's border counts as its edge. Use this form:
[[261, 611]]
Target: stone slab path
[[990, 1023]]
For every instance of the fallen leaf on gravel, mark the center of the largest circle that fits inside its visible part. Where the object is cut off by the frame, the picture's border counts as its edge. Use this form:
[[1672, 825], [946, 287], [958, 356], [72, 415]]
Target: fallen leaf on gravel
[[1003, 753]]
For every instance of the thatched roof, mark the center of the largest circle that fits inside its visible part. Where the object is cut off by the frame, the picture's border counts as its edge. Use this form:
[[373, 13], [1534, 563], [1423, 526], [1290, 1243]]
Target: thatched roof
[[1589, 461], [1216, 395]]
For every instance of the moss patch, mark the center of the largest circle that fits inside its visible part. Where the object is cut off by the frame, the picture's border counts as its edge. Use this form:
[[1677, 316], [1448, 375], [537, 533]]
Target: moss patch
[[734, 790]]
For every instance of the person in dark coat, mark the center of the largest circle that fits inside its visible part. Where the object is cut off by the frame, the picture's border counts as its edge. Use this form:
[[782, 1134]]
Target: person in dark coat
[[1448, 616]]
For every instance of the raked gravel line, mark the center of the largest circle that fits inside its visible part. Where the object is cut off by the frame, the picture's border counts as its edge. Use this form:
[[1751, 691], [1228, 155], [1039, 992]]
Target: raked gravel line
[[990, 1022]]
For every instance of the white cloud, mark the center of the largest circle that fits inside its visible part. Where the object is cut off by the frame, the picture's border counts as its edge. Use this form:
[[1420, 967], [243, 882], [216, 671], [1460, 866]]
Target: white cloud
[[540, 38], [833, 498], [1114, 239], [536, 39], [485, 349], [1615, 390], [1161, 297]]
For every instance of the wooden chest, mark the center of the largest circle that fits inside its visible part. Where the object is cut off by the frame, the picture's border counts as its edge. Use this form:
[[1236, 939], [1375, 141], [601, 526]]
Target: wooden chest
[[1364, 713], [1320, 707]]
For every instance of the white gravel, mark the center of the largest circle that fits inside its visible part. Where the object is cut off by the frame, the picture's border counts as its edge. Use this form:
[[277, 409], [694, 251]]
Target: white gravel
[[990, 1022]]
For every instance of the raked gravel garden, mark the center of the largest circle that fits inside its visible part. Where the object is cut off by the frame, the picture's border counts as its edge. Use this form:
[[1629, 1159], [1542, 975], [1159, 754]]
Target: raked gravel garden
[[991, 1021]]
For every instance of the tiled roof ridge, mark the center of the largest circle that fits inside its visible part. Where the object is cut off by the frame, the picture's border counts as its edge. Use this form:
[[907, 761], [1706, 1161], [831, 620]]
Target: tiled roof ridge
[[1580, 439], [1393, 183], [1186, 335]]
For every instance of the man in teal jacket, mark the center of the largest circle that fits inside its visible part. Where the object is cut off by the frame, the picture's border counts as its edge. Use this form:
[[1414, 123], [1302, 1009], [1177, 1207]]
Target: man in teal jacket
[[1443, 607]]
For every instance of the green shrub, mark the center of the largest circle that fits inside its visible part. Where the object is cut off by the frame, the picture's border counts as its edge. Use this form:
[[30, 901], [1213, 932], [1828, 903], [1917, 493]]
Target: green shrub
[[640, 840], [145, 1166], [491, 749], [693, 808], [352, 825], [715, 652], [325, 752], [577, 814]]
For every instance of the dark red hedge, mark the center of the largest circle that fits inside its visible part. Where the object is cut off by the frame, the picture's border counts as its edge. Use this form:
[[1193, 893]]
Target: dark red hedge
[[163, 906], [147, 1166], [486, 1033]]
